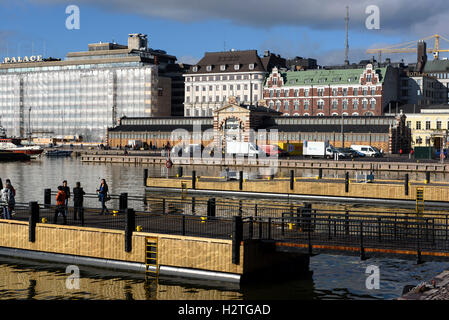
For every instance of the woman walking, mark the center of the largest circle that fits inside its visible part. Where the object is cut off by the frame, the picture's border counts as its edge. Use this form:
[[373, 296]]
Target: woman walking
[[103, 195]]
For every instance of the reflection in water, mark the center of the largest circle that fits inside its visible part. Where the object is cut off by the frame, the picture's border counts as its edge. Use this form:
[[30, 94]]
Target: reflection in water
[[334, 277]]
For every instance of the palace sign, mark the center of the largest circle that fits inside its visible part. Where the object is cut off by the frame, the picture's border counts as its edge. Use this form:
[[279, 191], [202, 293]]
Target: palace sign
[[22, 59]]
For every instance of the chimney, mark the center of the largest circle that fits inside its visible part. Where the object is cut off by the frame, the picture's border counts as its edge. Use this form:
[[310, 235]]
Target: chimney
[[422, 56]]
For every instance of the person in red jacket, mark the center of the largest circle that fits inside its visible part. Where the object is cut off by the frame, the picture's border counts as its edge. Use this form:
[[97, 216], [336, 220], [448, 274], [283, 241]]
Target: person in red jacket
[[60, 205]]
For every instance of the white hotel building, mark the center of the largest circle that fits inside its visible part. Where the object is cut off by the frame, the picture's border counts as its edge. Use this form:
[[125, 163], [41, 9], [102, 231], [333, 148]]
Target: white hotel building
[[219, 75]]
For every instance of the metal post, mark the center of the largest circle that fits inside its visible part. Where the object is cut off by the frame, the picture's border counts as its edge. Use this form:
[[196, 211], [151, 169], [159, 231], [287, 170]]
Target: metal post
[[240, 180], [145, 176], [237, 237], [250, 228], [292, 179], [179, 172], [418, 247], [379, 230], [193, 205], [269, 228], [129, 228], [320, 173], [255, 210], [194, 179], [32, 220], [406, 184], [163, 206], [123, 201], [211, 207], [347, 222], [427, 177], [183, 225], [362, 249], [47, 198], [346, 182]]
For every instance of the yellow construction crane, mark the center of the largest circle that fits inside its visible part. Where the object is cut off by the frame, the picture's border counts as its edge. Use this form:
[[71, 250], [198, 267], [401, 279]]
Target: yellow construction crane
[[410, 46]]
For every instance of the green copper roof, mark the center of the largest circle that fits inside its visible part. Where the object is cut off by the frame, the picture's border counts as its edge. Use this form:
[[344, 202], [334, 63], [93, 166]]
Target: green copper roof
[[320, 76], [436, 66]]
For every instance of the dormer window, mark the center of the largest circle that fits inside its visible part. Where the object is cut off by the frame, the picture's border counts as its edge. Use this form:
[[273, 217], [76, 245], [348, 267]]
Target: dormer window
[[223, 67], [236, 67], [251, 66], [195, 68], [209, 68]]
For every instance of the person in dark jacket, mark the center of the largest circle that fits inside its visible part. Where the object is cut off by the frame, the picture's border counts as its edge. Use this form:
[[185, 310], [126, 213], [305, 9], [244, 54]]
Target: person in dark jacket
[[78, 199], [66, 189], [103, 196]]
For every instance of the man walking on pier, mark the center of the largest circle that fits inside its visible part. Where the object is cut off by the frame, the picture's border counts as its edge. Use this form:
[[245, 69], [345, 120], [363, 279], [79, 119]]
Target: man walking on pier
[[8, 197], [67, 196], [103, 196], [78, 198], [60, 205]]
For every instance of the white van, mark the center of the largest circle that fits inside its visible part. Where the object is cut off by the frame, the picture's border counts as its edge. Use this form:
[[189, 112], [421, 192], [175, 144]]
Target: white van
[[368, 151]]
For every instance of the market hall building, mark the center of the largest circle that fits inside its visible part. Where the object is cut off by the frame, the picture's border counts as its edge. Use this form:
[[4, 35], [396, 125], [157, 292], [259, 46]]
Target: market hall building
[[235, 121]]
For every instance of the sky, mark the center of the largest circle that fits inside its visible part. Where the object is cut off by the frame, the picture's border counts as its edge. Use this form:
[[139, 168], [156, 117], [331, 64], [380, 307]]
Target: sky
[[189, 28]]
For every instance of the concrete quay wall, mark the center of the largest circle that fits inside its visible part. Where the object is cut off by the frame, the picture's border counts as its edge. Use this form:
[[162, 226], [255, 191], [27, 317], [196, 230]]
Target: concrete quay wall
[[301, 187], [280, 163]]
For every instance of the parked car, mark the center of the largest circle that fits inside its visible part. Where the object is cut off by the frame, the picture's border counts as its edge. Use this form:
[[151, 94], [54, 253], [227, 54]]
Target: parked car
[[343, 153], [369, 151], [353, 153]]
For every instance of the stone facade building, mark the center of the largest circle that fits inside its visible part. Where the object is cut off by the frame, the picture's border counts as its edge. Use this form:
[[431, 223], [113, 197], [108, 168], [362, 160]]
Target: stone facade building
[[219, 75]]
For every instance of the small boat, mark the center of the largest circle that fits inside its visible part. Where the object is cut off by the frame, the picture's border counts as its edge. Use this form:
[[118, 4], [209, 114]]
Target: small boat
[[58, 153], [14, 145]]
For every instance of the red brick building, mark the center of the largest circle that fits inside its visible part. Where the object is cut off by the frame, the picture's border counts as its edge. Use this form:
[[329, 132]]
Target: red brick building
[[320, 92]]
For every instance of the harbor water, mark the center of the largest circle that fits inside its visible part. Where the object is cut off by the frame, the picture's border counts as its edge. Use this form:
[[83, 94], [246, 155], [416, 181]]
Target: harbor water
[[334, 276]]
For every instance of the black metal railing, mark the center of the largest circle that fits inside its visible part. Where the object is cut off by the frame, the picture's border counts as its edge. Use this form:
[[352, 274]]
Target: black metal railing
[[296, 224]]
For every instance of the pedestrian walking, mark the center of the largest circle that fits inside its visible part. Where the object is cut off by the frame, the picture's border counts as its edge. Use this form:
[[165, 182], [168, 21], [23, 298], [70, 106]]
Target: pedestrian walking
[[12, 199], [67, 196], [60, 205], [78, 199], [8, 200], [103, 196]]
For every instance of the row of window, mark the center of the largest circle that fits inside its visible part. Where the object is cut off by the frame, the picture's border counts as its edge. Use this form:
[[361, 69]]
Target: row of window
[[205, 99], [320, 104], [345, 92], [226, 77], [224, 87], [224, 67], [428, 125]]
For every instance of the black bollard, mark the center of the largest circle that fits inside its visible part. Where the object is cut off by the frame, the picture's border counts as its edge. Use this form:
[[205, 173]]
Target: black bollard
[[47, 198], [123, 201], [427, 177], [129, 228], [406, 184], [145, 176], [320, 173], [193, 179], [237, 237], [292, 179], [347, 182], [32, 220], [211, 207], [240, 180], [1, 184], [179, 172]]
